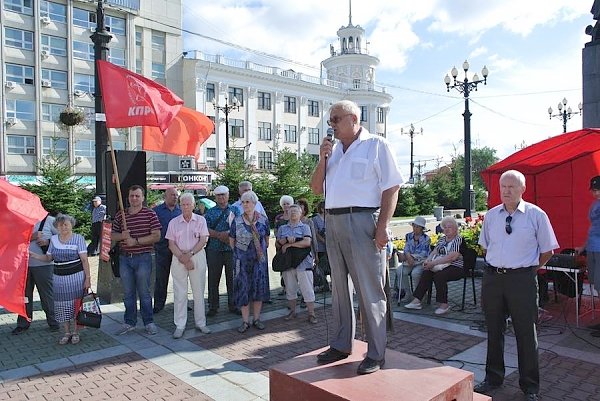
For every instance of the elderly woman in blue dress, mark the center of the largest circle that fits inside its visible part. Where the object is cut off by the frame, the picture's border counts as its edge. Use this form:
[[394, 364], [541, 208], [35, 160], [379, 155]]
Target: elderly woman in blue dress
[[416, 250], [71, 278], [296, 234], [249, 239]]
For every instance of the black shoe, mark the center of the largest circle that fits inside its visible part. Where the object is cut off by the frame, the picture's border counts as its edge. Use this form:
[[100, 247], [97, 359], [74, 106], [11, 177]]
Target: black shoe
[[19, 330], [211, 312], [157, 309], [331, 355], [485, 387], [531, 397], [369, 365], [53, 328]]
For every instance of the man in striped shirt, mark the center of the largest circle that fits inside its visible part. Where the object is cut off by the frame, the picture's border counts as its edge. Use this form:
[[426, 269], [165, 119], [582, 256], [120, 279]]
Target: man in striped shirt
[[137, 237]]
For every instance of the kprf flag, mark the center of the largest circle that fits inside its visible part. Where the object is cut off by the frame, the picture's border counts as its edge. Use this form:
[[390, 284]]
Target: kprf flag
[[19, 211], [133, 100], [188, 130]]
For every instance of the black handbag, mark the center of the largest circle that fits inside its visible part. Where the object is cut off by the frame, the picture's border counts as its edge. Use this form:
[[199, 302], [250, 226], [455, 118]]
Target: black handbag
[[89, 313], [290, 259], [114, 259]]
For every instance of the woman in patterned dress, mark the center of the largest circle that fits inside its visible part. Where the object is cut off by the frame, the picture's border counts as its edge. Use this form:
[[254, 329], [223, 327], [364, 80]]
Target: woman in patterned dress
[[71, 278], [249, 238]]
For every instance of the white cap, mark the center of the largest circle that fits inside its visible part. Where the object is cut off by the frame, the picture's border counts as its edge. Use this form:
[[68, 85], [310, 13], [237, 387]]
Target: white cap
[[220, 190]]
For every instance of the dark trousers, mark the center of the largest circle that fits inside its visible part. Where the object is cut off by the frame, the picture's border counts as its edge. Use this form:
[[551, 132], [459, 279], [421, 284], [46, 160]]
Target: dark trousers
[[441, 279], [216, 260], [513, 294], [92, 248], [161, 282], [41, 277]]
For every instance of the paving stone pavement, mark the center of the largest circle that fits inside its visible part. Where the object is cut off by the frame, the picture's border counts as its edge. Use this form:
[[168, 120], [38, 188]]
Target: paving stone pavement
[[227, 365]]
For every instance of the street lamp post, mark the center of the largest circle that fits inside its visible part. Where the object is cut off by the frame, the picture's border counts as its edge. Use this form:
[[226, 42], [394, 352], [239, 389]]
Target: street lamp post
[[411, 132], [227, 108], [564, 113], [465, 87]]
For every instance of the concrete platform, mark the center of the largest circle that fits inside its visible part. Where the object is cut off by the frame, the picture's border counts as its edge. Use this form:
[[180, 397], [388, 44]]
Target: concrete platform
[[403, 378]]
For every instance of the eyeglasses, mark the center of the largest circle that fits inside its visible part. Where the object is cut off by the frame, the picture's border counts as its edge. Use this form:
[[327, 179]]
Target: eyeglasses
[[336, 119], [507, 227]]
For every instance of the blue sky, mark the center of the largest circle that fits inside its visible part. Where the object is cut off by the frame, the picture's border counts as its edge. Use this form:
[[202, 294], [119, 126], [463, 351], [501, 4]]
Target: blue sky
[[532, 49]]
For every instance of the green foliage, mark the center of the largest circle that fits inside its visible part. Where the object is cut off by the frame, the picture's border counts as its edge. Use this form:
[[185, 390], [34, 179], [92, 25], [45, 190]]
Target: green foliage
[[60, 192], [424, 198], [448, 187]]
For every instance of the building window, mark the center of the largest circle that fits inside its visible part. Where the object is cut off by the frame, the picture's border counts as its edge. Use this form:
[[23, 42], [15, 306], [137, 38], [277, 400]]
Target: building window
[[85, 148], [18, 38], [211, 153], [264, 131], [54, 45], [19, 74], [115, 56], [380, 115], [212, 118], [264, 101], [210, 92], [138, 36], [138, 67], [119, 145], [289, 104], [236, 128], [57, 78], [313, 136], [87, 19], [356, 83], [23, 110], [21, 145], [265, 160], [290, 133], [236, 93], [52, 145], [19, 6], [158, 71], [56, 12], [313, 108], [84, 83], [51, 111], [115, 25], [83, 50], [364, 113], [158, 45]]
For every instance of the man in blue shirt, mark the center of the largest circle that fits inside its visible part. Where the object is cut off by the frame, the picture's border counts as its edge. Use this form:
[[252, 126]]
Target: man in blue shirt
[[98, 216], [218, 251], [166, 211]]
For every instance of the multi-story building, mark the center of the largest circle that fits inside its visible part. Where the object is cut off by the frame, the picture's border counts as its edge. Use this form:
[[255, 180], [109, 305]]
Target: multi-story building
[[282, 108], [47, 63]]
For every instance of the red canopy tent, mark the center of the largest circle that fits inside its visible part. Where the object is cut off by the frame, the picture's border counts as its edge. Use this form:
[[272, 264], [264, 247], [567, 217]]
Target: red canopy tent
[[557, 172]]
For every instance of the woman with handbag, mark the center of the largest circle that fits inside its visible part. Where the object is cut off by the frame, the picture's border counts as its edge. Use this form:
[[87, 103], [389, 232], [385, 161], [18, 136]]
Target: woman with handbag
[[249, 238], [71, 278], [443, 264], [295, 236]]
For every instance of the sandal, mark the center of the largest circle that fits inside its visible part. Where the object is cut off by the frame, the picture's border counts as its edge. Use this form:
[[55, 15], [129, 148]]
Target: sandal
[[65, 339], [290, 316], [259, 325], [312, 319], [75, 338], [244, 327]]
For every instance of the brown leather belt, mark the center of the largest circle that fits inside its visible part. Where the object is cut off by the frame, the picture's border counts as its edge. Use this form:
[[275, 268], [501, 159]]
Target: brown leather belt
[[351, 209]]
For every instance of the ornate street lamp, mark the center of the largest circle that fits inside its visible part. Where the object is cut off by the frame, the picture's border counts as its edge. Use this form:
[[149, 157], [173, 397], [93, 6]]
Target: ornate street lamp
[[564, 113], [411, 132], [465, 87], [227, 108]]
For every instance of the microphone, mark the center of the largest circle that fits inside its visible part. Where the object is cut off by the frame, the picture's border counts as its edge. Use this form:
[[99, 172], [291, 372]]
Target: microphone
[[329, 137]]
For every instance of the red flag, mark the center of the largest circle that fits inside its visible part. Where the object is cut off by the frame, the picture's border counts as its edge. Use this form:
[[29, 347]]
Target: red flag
[[187, 132], [19, 211], [131, 99]]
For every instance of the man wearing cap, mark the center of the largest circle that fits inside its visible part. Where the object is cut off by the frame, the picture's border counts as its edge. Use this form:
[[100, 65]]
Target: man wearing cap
[[246, 186], [218, 252], [361, 179], [518, 239], [165, 212], [98, 216], [592, 245]]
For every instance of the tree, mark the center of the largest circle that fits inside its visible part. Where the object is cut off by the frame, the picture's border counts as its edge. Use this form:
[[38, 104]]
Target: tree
[[60, 192], [424, 197]]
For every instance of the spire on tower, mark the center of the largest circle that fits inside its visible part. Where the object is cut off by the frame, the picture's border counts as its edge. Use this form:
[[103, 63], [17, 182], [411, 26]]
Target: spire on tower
[[350, 14]]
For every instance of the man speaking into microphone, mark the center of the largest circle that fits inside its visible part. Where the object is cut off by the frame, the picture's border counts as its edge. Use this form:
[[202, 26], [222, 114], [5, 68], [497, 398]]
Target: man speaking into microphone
[[360, 180]]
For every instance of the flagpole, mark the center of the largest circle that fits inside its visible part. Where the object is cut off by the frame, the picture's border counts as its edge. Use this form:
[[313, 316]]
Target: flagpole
[[117, 180]]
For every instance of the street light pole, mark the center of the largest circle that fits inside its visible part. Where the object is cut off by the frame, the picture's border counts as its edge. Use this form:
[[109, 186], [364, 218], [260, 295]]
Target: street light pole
[[100, 38], [465, 87], [411, 132], [227, 108], [564, 113]]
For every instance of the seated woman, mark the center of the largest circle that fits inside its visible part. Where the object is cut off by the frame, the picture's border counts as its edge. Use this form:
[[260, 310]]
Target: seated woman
[[444, 264], [416, 250], [296, 234]]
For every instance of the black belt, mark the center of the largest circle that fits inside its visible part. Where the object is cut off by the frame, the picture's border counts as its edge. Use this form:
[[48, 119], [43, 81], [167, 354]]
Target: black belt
[[351, 209], [131, 255], [68, 268], [508, 270]]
